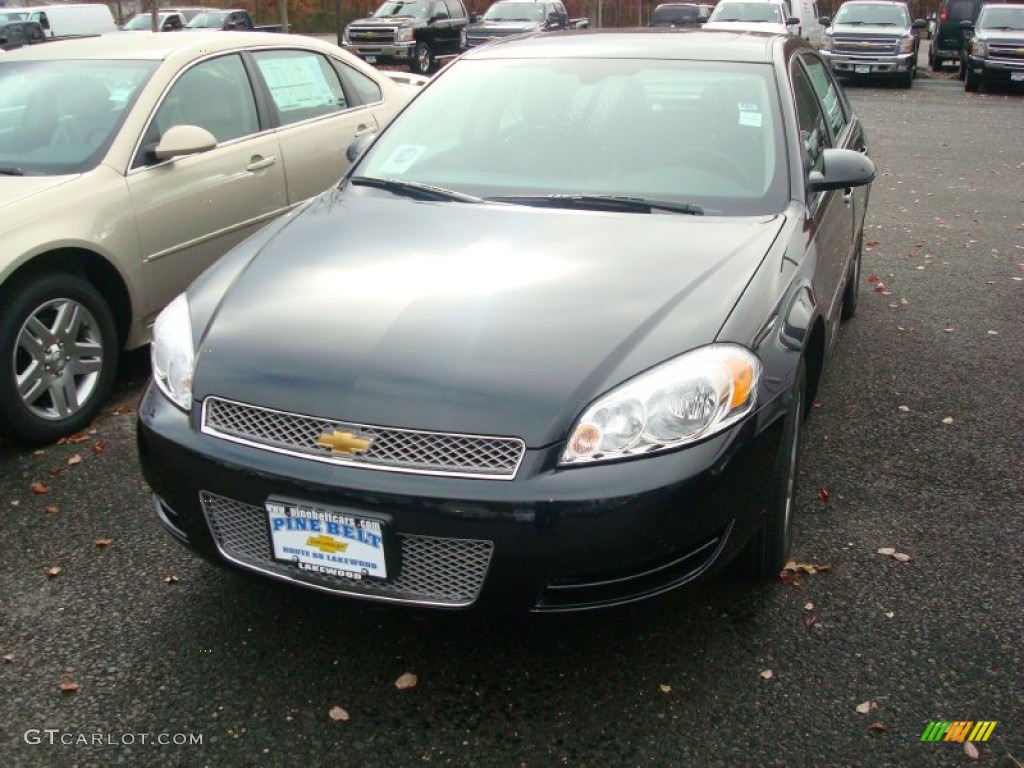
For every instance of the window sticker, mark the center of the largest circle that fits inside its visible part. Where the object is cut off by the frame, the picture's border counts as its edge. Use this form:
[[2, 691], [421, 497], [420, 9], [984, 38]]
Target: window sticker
[[402, 158], [751, 119], [297, 82]]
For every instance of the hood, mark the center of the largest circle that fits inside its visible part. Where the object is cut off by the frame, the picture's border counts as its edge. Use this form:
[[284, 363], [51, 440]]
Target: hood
[[747, 26], [869, 30], [15, 188], [501, 28], [387, 21], [1014, 36], [478, 319]]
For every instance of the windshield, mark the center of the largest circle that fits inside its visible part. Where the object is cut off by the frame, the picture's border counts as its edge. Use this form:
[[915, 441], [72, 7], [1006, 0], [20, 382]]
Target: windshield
[[417, 9], [674, 14], [1001, 18], [769, 12], [13, 16], [882, 14], [515, 12], [697, 132], [143, 21], [60, 117], [208, 20]]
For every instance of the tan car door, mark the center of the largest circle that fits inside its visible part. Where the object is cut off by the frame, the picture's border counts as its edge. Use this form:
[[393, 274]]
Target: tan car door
[[191, 210], [316, 119]]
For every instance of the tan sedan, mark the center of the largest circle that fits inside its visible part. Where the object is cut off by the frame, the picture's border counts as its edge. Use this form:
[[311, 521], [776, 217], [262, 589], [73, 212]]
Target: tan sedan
[[128, 164]]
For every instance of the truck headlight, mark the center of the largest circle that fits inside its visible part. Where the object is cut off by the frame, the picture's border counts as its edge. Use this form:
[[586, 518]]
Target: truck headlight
[[906, 44], [687, 399], [172, 354], [403, 36], [979, 48], [344, 36], [827, 43]]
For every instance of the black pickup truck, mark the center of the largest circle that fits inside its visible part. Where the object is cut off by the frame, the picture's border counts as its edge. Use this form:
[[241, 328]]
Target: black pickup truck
[[234, 18], [517, 17], [417, 33], [15, 34]]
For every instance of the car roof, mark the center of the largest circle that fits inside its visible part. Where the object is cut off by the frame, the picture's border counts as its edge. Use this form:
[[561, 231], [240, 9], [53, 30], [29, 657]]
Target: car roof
[[640, 43], [155, 46]]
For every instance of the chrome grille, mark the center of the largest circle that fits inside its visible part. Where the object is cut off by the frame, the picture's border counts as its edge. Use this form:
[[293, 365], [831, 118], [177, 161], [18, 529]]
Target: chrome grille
[[1012, 52], [402, 450], [371, 35], [866, 46], [432, 570]]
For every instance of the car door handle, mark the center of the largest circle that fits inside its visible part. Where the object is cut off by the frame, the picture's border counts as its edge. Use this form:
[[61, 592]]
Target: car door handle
[[259, 163], [364, 129]]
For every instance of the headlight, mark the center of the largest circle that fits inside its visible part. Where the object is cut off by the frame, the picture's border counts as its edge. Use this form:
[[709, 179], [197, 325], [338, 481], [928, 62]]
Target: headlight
[[827, 43], [172, 354], [684, 400], [979, 48], [403, 36], [906, 44]]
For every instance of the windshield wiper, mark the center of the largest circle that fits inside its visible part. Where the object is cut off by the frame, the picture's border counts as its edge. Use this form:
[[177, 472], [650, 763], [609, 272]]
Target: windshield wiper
[[601, 203], [414, 189], [10, 170]]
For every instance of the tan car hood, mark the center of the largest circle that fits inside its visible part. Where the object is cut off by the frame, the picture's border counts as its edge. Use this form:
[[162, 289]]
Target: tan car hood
[[15, 188]]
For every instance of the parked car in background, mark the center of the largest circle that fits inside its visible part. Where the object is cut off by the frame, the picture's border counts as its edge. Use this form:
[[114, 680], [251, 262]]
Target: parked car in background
[[809, 28], [414, 33], [995, 46], [873, 38], [948, 41], [236, 19], [679, 15], [128, 164], [14, 34], [73, 19], [12, 14], [550, 343], [168, 20], [753, 16], [518, 17]]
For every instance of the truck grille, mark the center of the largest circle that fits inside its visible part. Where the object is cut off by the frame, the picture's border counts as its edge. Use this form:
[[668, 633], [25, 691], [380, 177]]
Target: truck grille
[[1008, 51], [371, 35], [432, 570], [398, 450], [866, 46]]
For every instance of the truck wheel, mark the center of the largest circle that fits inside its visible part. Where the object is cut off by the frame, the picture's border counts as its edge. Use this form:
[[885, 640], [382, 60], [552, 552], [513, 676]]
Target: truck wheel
[[934, 63], [423, 59], [58, 357], [972, 82]]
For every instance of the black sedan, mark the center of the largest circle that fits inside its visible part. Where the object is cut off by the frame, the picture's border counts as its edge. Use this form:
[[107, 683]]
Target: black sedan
[[549, 344]]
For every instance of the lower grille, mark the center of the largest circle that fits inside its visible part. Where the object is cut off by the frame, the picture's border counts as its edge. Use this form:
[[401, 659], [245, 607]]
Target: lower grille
[[375, 36], [1008, 52], [433, 570]]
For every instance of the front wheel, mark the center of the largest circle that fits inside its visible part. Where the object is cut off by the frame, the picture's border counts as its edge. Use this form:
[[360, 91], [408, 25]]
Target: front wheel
[[770, 547], [423, 59], [934, 63], [58, 357], [972, 82]]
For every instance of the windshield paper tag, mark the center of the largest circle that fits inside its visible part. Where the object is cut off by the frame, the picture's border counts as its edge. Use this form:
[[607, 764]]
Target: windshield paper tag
[[751, 119], [403, 157]]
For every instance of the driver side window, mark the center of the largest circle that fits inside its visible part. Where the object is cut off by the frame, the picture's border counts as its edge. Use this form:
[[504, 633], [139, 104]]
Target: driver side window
[[813, 127]]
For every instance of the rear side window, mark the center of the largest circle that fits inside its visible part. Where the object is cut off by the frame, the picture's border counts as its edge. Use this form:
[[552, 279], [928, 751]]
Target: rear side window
[[303, 85], [961, 9], [827, 92]]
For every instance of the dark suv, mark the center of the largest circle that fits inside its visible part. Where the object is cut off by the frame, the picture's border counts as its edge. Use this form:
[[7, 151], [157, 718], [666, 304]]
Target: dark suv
[[948, 41], [413, 32]]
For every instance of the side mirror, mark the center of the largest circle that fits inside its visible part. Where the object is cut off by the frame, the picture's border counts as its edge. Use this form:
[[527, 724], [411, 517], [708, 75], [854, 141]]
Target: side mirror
[[181, 140], [825, 21], [473, 17], [920, 24], [356, 148], [842, 168], [792, 21]]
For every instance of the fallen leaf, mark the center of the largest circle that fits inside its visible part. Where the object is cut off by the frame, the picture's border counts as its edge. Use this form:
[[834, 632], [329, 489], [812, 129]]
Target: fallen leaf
[[887, 551], [50, 510], [104, 542], [790, 578], [39, 488], [15, 503], [810, 621], [665, 688], [809, 606], [905, 408], [879, 287], [68, 686], [903, 557], [823, 495], [172, 579], [55, 470], [948, 420], [8, 658], [871, 243], [53, 572], [78, 437], [889, 614], [971, 751], [122, 409], [73, 460], [99, 448], [866, 706], [949, 330], [993, 333], [877, 727], [337, 714], [766, 674], [406, 681]]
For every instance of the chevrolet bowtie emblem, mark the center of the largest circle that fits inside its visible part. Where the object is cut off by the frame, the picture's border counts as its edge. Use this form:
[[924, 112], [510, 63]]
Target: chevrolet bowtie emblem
[[344, 443], [326, 544]]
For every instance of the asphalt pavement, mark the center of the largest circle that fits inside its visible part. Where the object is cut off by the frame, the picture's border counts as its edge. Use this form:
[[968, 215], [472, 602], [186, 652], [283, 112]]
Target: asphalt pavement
[[120, 648]]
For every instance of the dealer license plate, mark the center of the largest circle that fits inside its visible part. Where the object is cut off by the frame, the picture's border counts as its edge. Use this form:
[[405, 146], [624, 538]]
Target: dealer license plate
[[862, 69], [1017, 76], [371, 59], [327, 540]]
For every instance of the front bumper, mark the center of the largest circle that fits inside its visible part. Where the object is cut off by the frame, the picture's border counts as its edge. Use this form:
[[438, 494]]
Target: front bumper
[[996, 69], [550, 540], [384, 54], [869, 66]]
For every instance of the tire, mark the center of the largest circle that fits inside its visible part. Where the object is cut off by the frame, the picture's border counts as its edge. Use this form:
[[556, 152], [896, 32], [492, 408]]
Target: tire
[[972, 83], [933, 63], [961, 71], [769, 549], [907, 81], [46, 319], [422, 60], [851, 294]]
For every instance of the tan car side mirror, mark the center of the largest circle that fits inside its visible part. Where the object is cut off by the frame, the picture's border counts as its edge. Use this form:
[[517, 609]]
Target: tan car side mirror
[[184, 140]]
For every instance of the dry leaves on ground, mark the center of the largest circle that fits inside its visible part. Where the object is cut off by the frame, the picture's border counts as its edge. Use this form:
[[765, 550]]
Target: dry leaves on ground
[[68, 685], [766, 674], [406, 681], [867, 706], [902, 557], [39, 488], [53, 572], [338, 715], [104, 542]]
